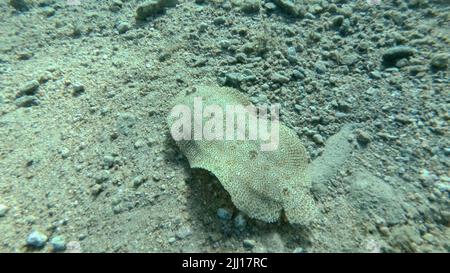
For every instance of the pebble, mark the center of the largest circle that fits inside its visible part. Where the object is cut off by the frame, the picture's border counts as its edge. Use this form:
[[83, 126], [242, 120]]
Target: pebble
[[102, 176], [233, 79], [115, 6], [292, 55], [109, 161], [363, 137], [20, 5], [96, 189], [279, 78], [402, 118], [428, 237], [270, 6], [45, 77], [73, 247], [77, 89], [123, 27], [3, 210], [298, 250], [318, 139], [139, 143], [138, 180], [349, 59], [29, 88], [320, 67], [397, 52], [224, 214], [384, 230], [27, 101], [224, 44], [375, 74], [219, 20], [240, 222], [48, 11], [249, 6], [337, 21], [183, 233], [125, 121], [298, 74], [64, 152], [202, 27], [249, 243], [58, 243], [153, 7], [289, 7], [442, 187], [36, 239], [440, 61]]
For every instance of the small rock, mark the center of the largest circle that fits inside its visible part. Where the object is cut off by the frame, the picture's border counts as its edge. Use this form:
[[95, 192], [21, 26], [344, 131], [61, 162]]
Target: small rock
[[318, 139], [29, 89], [249, 244], [270, 6], [279, 78], [36, 239], [337, 21], [3, 210], [96, 189], [109, 161], [224, 44], [75, 30], [58, 243], [290, 7], [292, 54], [349, 59], [441, 186], [24, 55], [320, 67], [405, 238], [233, 79], [153, 7], [240, 222], [20, 5], [115, 6], [440, 61], [384, 230], [297, 74], [363, 137], [298, 250], [73, 247], [241, 57], [64, 152], [172, 240], [402, 118], [138, 180], [375, 75], [224, 214], [102, 176], [183, 233], [139, 143], [249, 6], [393, 54], [45, 77], [77, 89], [123, 27], [219, 20], [125, 122], [27, 101], [48, 11], [203, 27]]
